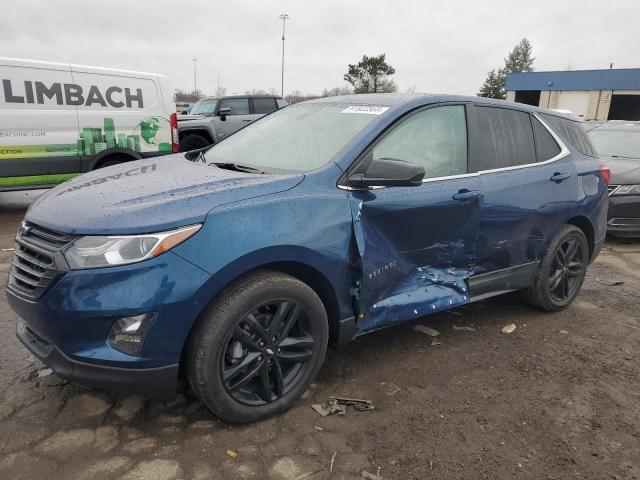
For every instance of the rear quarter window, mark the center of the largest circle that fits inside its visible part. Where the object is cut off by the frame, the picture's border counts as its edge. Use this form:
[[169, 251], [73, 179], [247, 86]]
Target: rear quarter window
[[502, 138], [572, 132], [264, 105]]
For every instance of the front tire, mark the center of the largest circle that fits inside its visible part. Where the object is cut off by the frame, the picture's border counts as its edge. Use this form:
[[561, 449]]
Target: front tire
[[561, 272], [193, 141], [258, 346]]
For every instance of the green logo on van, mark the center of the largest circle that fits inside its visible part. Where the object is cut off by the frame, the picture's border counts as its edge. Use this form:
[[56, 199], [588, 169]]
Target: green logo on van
[[146, 133]]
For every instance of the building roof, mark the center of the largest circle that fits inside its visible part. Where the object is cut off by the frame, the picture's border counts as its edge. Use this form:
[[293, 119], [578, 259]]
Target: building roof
[[610, 79]]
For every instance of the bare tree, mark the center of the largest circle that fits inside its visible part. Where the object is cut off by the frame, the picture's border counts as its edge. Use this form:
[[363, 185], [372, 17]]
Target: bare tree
[[220, 91], [411, 89], [180, 95], [335, 91]]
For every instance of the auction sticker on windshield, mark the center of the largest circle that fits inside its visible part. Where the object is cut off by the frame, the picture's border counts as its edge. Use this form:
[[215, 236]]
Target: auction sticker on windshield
[[369, 109]]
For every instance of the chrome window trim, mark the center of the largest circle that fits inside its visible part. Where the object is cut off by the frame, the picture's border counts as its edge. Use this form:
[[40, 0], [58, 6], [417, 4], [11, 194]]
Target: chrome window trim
[[564, 151]]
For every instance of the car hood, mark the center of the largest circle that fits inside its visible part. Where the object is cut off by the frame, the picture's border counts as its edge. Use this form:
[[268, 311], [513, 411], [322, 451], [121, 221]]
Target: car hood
[[624, 171], [148, 195], [188, 116]]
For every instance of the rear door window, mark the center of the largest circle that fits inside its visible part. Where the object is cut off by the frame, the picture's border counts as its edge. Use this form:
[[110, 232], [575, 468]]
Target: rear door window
[[502, 138], [435, 138], [546, 146], [264, 105], [238, 106]]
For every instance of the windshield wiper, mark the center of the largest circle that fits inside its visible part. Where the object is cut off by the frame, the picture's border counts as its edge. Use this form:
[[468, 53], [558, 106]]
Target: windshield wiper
[[237, 167], [624, 156]]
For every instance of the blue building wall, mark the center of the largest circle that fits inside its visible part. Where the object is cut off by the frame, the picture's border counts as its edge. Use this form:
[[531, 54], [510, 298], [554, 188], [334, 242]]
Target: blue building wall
[[618, 79]]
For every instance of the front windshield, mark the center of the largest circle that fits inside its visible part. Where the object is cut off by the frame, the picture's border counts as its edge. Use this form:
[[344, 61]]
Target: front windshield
[[297, 138], [204, 107], [620, 143]]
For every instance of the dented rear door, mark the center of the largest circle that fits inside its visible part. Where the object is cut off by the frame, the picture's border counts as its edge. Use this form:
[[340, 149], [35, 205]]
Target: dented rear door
[[416, 246]]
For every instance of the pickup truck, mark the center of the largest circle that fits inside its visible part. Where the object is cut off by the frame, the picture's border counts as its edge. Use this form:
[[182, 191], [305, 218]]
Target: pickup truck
[[213, 119]]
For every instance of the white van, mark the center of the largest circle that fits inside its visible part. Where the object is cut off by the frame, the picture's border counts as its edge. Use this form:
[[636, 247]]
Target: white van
[[58, 120]]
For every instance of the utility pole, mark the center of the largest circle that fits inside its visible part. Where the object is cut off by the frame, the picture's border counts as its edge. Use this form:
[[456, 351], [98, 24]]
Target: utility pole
[[284, 17], [195, 89]]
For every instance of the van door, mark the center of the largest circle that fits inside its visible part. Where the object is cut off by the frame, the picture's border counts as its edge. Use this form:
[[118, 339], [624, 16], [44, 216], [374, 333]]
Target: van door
[[121, 114], [239, 117], [523, 205], [38, 124], [417, 245]]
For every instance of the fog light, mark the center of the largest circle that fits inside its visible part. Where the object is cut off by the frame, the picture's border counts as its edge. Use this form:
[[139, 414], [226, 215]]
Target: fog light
[[127, 333]]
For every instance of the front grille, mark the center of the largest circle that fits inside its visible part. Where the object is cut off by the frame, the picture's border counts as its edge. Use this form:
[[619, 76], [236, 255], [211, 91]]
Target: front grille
[[34, 264], [611, 188]]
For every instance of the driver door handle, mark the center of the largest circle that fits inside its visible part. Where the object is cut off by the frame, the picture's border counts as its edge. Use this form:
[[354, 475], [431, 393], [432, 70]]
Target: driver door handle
[[558, 177], [465, 194], [248, 120]]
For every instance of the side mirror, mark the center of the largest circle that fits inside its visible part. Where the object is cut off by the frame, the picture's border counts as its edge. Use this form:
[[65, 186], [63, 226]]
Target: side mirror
[[388, 172], [223, 112]]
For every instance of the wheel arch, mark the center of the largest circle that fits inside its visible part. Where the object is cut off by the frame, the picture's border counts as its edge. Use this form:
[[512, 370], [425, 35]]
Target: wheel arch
[[584, 224], [112, 154], [198, 131], [306, 271]]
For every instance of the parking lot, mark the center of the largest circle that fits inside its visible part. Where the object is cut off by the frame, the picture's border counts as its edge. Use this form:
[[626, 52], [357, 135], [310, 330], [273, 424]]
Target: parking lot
[[558, 398]]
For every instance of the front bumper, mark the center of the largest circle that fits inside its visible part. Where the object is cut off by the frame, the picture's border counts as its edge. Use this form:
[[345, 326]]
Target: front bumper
[[67, 327], [157, 383], [623, 217]]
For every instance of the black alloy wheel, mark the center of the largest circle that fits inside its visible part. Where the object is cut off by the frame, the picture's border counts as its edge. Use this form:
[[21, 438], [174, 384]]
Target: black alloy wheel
[[568, 269], [257, 346], [561, 271], [267, 352]]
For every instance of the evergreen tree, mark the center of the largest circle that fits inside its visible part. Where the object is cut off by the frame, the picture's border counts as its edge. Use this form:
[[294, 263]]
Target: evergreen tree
[[518, 60], [493, 86]]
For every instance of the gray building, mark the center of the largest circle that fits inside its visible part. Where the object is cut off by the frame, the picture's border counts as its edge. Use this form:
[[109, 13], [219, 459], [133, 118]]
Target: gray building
[[612, 94]]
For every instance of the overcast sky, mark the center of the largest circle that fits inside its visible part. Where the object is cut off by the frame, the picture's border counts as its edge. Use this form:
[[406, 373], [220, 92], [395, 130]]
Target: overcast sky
[[437, 46]]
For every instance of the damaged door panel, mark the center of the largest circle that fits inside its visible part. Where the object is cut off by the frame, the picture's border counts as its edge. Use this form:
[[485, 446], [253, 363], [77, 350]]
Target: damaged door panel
[[417, 246]]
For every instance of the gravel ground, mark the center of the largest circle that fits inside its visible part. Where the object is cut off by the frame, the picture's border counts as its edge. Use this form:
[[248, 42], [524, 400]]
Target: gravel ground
[[558, 398]]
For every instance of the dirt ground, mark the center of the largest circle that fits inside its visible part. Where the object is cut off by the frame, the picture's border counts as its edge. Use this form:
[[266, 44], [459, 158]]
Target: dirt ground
[[558, 398]]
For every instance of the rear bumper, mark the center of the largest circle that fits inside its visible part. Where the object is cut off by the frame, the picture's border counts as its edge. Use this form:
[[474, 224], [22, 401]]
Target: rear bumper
[[157, 383], [623, 217]]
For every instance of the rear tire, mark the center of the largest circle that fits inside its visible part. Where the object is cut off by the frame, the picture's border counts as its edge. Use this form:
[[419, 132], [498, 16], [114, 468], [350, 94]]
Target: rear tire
[[193, 141], [257, 347], [561, 272]]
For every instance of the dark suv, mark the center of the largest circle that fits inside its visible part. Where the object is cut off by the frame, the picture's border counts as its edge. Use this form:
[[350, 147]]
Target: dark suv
[[234, 268], [618, 144]]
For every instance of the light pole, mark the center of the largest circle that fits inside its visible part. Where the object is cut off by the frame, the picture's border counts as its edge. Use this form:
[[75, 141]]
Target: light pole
[[284, 17], [195, 89]]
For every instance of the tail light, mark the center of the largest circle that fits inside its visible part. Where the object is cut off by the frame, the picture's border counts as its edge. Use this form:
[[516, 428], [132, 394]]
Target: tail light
[[606, 174], [175, 140]]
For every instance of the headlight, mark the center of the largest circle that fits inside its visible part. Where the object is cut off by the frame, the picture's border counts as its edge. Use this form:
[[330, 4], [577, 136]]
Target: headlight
[[627, 190], [105, 251]]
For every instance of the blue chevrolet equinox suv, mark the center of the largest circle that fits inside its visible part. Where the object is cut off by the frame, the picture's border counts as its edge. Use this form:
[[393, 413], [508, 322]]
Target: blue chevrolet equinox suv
[[233, 268]]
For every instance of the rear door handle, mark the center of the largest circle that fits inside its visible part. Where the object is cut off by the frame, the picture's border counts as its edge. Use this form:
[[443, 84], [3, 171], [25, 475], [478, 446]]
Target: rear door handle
[[464, 194], [247, 120], [558, 177]]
